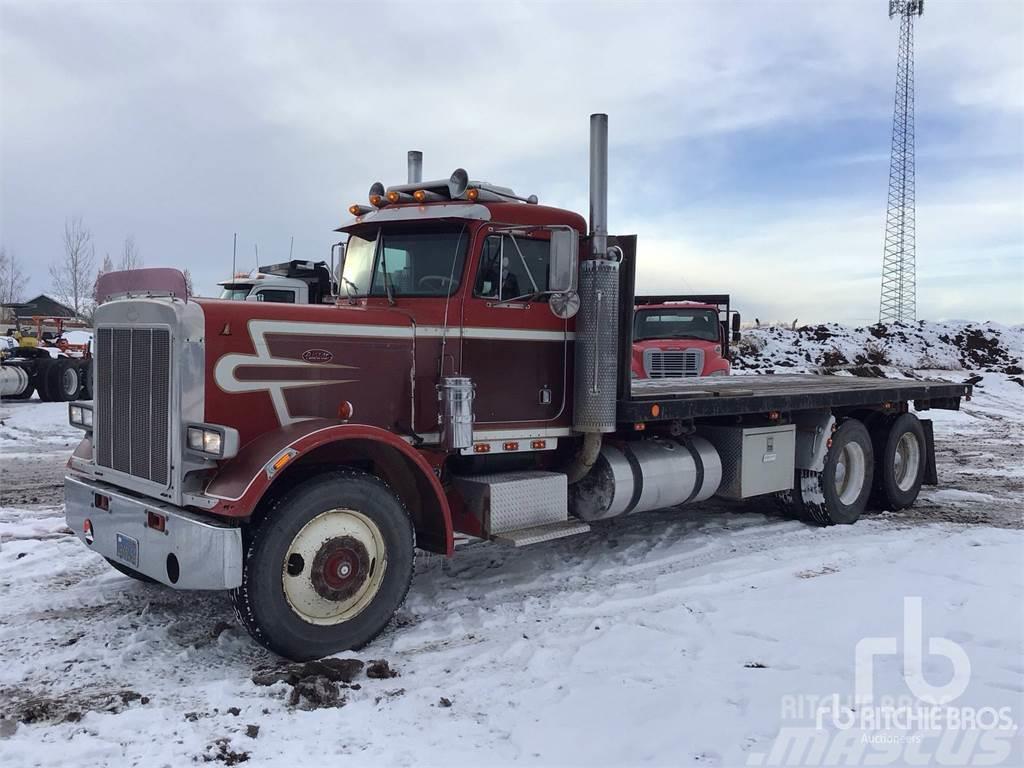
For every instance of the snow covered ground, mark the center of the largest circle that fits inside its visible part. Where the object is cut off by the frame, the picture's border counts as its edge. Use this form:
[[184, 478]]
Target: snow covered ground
[[680, 637]]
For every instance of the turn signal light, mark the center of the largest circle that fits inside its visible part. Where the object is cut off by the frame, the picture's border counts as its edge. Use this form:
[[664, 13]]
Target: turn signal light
[[345, 410], [156, 522], [101, 502]]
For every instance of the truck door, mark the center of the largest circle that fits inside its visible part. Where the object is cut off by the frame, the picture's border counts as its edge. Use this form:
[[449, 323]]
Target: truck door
[[515, 350]]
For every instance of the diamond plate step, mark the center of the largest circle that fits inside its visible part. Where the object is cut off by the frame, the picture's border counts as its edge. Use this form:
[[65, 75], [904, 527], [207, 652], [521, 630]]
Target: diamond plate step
[[538, 533], [513, 501]]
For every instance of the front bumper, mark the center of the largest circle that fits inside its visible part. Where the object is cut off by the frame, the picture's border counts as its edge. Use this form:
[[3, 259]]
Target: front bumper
[[192, 552]]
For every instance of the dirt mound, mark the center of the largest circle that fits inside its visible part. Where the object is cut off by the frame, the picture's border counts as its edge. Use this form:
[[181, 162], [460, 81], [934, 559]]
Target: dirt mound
[[923, 346]]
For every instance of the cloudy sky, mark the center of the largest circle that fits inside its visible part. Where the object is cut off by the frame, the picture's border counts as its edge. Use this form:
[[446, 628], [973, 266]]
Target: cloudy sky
[[749, 138]]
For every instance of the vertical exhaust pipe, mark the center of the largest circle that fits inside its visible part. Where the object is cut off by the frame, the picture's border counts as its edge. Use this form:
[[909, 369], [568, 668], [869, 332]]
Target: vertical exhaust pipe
[[415, 166], [597, 324], [599, 186]]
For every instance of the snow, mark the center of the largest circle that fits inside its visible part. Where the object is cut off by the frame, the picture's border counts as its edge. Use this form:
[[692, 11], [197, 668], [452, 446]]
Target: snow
[[667, 638]]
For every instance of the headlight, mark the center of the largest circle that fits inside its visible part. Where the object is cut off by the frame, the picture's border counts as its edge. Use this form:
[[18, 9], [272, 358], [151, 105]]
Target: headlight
[[80, 415], [213, 441]]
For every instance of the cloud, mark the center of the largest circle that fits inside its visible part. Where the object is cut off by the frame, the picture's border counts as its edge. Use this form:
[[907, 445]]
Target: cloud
[[184, 123]]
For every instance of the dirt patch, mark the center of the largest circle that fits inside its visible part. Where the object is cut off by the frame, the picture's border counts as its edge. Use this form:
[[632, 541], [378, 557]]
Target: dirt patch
[[320, 684], [379, 669], [221, 752], [334, 670], [70, 707]]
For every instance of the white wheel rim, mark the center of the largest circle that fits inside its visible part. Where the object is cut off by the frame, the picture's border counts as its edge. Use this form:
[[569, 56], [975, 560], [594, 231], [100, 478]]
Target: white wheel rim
[[70, 380], [850, 471], [906, 461], [334, 567]]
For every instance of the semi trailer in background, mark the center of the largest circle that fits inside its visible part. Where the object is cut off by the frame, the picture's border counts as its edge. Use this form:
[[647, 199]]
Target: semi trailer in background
[[473, 377]]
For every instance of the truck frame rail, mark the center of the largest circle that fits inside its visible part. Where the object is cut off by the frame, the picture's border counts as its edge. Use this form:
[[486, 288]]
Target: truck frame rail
[[741, 395]]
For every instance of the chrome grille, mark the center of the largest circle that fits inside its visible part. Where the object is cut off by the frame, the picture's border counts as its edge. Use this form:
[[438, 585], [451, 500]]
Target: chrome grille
[[132, 399], [673, 364]]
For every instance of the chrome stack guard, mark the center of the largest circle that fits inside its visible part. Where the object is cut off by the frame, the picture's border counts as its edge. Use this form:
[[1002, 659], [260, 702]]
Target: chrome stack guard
[[200, 552]]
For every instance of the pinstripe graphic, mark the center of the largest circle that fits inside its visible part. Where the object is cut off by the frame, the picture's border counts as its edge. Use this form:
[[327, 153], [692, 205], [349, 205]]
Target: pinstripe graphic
[[225, 371]]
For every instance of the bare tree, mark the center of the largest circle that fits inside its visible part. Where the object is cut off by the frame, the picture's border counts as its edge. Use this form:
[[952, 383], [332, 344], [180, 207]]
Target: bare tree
[[12, 279], [73, 276], [12, 283], [189, 291], [130, 258]]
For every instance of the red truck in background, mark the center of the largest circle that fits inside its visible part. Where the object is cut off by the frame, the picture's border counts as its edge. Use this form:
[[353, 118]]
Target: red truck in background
[[472, 377], [680, 336]]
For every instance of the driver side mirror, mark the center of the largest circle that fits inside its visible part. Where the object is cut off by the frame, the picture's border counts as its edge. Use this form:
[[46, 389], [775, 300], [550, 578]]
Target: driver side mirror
[[565, 245], [735, 327], [339, 269]]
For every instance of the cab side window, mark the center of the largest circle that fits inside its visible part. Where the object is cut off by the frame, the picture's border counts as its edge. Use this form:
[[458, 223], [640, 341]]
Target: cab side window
[[280, 296], [512, 268]]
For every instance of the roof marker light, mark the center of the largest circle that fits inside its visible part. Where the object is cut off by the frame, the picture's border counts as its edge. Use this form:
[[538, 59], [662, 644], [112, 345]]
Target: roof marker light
[[359, 210], [377, 194], [472, 194]]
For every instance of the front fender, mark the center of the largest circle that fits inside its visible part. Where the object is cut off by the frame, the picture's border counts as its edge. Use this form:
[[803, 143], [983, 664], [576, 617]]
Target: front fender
[[243, 481]]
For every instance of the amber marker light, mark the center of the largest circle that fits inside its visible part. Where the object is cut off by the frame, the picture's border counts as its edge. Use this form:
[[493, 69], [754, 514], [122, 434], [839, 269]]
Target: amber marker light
[[393, 197], [472, 194], [420, 195], [655, 410]]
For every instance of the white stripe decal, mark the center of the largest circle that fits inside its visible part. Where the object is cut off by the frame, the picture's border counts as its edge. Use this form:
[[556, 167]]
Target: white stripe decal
[[224, 372]]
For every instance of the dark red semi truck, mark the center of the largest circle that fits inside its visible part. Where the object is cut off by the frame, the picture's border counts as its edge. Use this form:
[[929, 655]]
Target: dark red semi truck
[[472, 377]]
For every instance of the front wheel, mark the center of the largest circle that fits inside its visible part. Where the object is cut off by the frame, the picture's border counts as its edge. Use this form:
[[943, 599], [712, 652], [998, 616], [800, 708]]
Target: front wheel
[[327, 567]]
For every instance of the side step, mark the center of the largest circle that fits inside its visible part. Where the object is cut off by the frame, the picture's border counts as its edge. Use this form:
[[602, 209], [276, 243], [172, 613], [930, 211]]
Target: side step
[[538, 533]]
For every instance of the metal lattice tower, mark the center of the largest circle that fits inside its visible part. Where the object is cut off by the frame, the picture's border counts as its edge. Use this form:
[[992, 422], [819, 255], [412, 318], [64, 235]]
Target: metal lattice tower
[[899, 281]]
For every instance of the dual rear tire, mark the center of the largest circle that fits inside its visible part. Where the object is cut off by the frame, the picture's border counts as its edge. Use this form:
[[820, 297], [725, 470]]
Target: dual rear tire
[[882, 468]]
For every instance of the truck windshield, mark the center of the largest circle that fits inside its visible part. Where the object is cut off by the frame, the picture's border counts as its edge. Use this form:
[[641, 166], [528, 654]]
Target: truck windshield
[[675, 324], [235, 292], [404, 261]]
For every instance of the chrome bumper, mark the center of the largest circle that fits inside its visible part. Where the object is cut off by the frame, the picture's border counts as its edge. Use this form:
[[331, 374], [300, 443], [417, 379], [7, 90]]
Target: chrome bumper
[[192, 552]]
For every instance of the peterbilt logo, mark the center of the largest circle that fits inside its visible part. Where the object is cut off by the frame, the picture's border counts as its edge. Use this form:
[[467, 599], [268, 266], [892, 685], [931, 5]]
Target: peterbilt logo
[[317, 356]]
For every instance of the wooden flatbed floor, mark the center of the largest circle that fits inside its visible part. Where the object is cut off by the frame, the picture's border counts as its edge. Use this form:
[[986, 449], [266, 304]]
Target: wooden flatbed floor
[[738, 395]]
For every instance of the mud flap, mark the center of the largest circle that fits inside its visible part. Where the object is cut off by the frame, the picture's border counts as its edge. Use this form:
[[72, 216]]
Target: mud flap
[[931, 475]]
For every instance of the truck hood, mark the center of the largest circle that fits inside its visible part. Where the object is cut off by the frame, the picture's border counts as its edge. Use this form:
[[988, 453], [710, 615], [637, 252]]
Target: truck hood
[[269, 365]]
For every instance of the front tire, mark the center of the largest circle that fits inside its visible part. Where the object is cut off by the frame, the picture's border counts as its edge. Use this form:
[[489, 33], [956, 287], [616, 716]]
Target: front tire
[[839, 493], [327, 567]]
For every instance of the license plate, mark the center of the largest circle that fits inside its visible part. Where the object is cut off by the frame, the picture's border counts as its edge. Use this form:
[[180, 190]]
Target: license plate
[[128, 549]]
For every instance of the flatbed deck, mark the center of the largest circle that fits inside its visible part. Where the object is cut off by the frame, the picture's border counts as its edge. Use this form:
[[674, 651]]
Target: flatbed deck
[[739, 395]]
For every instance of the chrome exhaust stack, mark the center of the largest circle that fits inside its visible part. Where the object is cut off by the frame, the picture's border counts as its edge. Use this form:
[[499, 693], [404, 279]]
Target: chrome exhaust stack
[[597, 324], [415, 162]]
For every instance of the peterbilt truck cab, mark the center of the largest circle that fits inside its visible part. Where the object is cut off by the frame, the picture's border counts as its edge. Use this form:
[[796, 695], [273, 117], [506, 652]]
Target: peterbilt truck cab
[[683, 336], [469, 376]]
